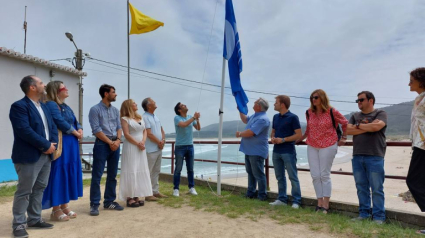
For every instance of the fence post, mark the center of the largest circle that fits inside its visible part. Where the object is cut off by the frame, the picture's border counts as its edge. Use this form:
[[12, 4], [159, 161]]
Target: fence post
[[172, 157], [267, 173]]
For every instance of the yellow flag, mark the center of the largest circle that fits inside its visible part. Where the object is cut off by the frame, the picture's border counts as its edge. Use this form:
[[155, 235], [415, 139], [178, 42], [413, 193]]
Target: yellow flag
[[141, 23]]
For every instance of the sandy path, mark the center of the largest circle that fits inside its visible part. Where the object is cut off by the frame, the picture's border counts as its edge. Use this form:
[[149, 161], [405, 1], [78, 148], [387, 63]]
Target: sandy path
[[155, 220]]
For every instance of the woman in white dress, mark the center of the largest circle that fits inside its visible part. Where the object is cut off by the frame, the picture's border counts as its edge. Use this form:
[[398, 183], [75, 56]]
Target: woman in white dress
[[135, 179]]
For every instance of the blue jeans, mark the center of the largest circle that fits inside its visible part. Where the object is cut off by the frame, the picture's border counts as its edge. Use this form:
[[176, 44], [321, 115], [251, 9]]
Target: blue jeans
[[184, 152], [102, 154], [288, 161], [369, 175], [254, 166]]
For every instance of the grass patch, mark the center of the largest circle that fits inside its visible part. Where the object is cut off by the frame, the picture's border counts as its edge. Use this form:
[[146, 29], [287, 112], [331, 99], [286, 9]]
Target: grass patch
[[236, 206], [7, 192]]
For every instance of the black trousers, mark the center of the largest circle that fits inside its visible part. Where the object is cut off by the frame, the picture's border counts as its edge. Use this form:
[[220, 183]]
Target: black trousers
[[416, 177]]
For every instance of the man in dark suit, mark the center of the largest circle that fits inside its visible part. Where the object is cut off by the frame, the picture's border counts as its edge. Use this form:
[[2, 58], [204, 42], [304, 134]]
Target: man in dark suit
[[35, 138]]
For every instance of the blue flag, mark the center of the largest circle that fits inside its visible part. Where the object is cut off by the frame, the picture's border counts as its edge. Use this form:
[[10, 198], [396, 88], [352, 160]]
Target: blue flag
[[232, 52]]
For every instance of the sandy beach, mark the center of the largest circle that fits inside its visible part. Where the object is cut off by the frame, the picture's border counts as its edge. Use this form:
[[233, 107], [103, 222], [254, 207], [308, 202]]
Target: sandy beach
[[397, 162]]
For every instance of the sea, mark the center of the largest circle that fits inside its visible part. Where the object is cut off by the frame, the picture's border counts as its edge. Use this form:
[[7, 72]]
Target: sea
[[229, 153]]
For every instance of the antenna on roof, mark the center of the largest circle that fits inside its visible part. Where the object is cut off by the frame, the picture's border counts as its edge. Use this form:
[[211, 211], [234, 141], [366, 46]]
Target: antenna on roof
[[25, 28]]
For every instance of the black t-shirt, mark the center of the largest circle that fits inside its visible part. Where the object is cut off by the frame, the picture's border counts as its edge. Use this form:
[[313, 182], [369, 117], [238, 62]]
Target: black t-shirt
[[370, 143]]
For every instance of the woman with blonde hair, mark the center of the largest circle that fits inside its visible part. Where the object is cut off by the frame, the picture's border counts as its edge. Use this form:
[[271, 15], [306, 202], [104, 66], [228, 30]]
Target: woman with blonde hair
[[65, 181], [135, 179], [322, 144]]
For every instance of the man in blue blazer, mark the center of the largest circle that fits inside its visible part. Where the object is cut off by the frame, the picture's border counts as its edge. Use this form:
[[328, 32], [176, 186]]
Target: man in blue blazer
[[35, 139]]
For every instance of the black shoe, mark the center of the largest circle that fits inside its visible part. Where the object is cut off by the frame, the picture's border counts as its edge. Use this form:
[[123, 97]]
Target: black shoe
[[20, 232], [114, 206], [94, 210], [264, 199], [41, 225]]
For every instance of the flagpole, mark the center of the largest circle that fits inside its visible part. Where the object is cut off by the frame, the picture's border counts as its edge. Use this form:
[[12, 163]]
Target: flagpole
[[220, 129], [128, 48]]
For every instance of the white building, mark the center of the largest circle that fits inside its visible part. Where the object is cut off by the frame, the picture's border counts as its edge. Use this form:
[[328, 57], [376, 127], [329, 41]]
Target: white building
[[13, 67]]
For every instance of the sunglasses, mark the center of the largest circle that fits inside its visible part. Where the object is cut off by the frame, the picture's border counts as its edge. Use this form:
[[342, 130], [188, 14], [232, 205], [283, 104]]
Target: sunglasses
[[314, 97], [62, 89], [360, 100]]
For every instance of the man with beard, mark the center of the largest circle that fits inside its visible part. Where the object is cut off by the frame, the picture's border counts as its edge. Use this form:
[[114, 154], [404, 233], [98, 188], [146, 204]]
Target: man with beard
[[35, 139], [368, 129], [184, 146], [106, 126]]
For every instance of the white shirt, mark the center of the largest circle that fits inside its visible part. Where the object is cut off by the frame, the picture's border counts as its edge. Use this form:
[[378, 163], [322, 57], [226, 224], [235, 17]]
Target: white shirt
[[417, 128], [43, 117]]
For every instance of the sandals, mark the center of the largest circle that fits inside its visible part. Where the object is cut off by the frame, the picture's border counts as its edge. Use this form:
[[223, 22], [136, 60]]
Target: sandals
[[140, 202], [318, 209], [62, 217], [71, 214], [325, 211], [133, 204], [420, 232]]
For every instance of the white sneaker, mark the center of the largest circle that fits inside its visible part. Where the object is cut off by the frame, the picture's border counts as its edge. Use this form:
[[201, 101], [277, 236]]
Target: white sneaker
[[193, 191], [176, 193], [278, 203], [295, 206]]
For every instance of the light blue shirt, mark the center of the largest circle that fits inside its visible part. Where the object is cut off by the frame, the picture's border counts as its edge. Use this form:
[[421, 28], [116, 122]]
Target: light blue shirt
[[152, 122], [258, 144], [105, 119], [184, 135]]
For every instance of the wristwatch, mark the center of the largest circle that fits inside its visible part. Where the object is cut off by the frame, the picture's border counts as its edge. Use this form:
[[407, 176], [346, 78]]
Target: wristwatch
[[357, 125], [283, 140]]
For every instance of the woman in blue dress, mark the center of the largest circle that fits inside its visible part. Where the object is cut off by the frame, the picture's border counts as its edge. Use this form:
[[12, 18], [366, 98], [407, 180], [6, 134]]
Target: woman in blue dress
[[65, 181]]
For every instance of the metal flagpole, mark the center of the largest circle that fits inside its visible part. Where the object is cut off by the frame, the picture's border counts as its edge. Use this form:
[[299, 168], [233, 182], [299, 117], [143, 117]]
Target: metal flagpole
[[220, 129], [128, 48], [25, 28]]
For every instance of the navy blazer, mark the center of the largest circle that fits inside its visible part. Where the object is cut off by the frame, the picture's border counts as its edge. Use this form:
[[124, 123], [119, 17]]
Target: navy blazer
[[28, 130]]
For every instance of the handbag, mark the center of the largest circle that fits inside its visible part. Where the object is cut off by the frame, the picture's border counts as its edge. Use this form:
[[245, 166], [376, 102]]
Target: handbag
[[58, 151]]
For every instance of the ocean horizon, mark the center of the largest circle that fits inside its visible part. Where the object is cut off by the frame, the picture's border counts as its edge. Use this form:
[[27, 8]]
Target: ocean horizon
[[229, 153]]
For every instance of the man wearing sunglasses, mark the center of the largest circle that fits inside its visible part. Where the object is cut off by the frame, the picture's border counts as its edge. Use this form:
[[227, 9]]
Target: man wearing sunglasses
[[369, 144]]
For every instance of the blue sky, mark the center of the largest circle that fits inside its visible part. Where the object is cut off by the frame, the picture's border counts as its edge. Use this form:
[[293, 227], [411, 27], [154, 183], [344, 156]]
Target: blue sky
[[288, 47]]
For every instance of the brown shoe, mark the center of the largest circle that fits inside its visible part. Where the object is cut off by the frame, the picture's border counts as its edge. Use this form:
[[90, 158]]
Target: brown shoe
[[160, 195], [151, 199]]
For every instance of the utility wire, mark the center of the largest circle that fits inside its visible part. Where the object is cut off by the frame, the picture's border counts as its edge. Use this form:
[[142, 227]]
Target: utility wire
[[215, 85], [185, 85]]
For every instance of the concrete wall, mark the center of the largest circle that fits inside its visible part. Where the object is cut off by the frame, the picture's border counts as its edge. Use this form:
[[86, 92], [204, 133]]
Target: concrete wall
[[12, 70]]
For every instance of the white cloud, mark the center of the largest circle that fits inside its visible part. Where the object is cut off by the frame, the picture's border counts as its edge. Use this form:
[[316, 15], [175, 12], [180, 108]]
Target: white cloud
[[290, 47]]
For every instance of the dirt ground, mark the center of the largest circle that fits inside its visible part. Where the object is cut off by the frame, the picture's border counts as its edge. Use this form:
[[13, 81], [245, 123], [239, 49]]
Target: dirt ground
[[155, 220]]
